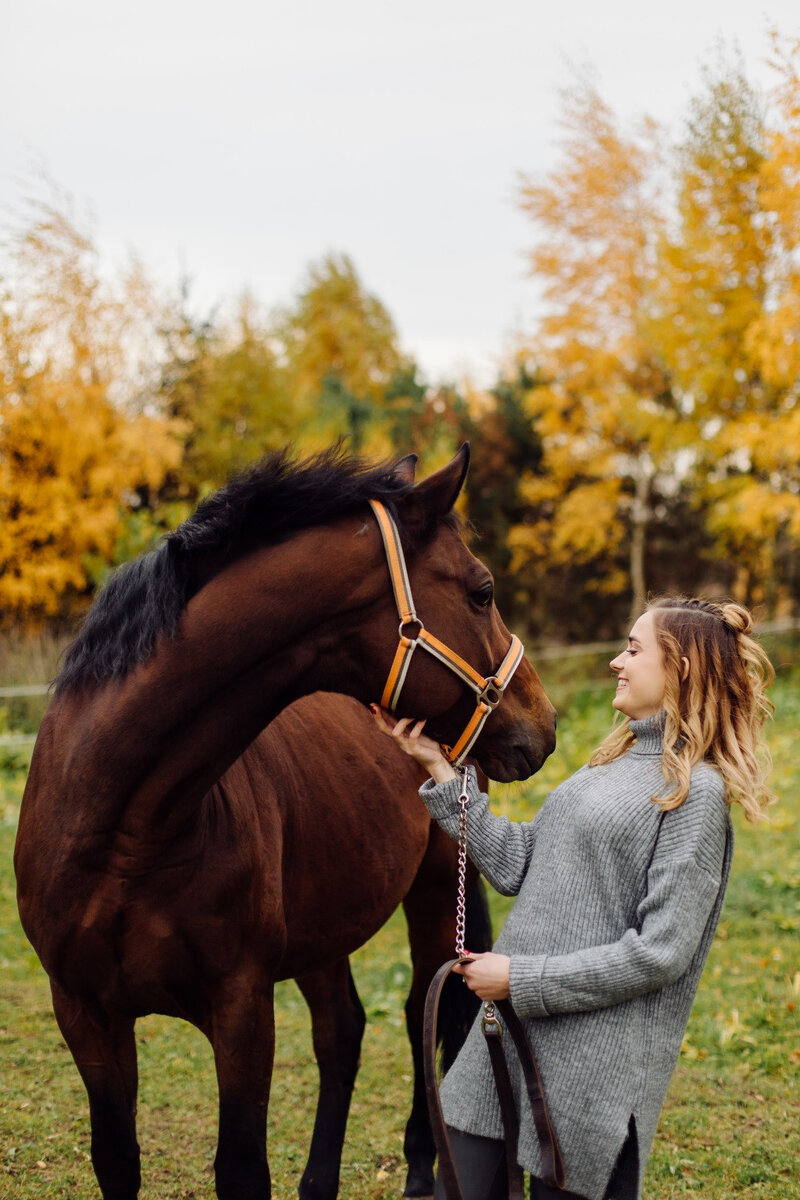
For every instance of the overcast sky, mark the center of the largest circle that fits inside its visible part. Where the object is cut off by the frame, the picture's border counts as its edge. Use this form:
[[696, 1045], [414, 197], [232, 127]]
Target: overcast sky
[[237, 142]]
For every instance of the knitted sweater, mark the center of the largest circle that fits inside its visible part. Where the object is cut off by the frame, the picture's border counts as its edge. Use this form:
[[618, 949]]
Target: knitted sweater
[[616, 910]]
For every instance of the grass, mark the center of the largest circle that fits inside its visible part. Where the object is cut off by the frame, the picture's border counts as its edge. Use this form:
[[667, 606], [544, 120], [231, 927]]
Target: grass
[[729, 1129]]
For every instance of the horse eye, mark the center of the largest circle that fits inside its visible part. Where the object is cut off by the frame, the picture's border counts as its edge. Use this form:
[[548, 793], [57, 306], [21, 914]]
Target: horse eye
[[483, 595]]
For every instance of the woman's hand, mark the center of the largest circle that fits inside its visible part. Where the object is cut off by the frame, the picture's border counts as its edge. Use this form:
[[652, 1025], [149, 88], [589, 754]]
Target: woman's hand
[[408, 735], [487, 975]]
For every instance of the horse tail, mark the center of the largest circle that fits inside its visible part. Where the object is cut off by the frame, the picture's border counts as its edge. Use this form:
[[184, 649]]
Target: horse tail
[[459, 1006]]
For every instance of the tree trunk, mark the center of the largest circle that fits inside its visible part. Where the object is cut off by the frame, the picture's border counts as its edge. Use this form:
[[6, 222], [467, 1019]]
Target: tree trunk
[[640, 517]]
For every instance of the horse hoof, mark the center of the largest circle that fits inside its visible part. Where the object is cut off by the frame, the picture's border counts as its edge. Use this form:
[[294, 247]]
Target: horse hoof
[[419, 1187]]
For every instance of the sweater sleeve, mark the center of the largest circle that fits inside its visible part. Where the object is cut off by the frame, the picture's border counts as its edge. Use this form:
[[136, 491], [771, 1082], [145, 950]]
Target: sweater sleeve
[[683, 883], [500, 849]]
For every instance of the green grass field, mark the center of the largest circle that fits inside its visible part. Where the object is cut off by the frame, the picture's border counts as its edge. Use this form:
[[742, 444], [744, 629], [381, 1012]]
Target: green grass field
[[730, 1127]]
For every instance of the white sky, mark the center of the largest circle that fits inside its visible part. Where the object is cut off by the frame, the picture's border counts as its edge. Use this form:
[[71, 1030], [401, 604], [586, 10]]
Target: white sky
[[237, 141]]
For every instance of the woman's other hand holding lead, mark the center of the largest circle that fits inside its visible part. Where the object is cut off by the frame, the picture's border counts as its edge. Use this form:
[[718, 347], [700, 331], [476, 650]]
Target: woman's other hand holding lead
[[487, 975]]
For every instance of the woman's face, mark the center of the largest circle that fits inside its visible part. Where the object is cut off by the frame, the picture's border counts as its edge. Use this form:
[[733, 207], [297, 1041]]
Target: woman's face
[[641, 679]]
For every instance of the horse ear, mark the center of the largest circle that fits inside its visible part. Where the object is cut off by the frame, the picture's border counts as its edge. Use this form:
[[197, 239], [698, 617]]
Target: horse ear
[[406, 468], [435, 496]]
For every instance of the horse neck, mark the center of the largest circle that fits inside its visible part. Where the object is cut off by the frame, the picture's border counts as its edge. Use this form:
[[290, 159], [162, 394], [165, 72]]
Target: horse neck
[[272, 627]]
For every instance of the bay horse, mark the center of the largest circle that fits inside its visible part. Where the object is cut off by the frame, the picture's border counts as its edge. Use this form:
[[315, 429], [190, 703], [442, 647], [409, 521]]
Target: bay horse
[[152, 873]]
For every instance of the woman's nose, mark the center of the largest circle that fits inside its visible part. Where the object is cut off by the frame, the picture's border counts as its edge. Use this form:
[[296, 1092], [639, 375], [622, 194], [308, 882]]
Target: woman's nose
[[616, 663]]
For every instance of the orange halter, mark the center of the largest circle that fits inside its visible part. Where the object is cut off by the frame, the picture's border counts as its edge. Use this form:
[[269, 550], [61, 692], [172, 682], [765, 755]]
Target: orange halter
[[488, 692]]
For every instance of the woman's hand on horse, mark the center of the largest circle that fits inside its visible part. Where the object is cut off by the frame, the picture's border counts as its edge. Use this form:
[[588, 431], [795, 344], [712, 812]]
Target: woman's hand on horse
[[487, 975], [407, 734]]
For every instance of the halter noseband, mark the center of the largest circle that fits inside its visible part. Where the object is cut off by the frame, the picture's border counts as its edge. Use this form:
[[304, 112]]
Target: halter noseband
[[412, 633]]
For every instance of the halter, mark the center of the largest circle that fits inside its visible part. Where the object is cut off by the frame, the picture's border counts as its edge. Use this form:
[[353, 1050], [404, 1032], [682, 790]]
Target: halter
[[412, 633]]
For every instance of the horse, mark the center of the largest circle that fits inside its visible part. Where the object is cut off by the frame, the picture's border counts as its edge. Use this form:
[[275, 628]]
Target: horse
[[150, 876]]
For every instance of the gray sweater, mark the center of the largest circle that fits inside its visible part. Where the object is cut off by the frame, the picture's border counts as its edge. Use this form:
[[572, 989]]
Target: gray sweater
[[617, 904]]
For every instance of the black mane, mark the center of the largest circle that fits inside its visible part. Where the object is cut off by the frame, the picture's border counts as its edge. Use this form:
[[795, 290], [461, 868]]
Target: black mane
[[263, 505]]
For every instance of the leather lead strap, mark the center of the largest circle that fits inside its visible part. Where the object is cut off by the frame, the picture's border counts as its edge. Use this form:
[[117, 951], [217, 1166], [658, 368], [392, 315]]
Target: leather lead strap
[[508, 1112], [554, 1173], [447, 1166]]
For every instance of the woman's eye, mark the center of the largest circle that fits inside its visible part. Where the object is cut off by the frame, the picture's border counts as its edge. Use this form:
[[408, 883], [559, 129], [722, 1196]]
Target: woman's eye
[[483, 596]]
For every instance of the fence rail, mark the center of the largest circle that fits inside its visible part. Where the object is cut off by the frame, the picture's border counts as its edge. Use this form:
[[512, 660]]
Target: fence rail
[[587, 649], [538, 653], [25, 689]]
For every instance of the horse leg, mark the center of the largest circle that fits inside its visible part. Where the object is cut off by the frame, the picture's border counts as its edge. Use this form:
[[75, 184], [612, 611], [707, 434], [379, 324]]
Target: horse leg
[[431, 943], [430, 910], [104, 1048], [242, 1035], [337, 1025]]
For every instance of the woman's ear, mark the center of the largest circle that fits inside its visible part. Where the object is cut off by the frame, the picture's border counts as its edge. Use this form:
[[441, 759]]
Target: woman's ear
[[684, 670]]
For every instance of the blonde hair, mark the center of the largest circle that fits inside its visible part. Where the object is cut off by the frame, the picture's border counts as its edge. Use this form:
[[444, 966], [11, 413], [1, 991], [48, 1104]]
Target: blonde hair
[[715, 709]]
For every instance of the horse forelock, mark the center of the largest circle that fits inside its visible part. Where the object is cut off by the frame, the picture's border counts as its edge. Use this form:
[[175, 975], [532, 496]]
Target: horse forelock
[[266, 504]]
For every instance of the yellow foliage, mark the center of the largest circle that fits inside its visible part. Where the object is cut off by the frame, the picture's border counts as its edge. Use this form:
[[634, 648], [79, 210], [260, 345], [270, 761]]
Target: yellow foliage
[[597, 215], [587, 523], [774, 340], [341, 352], [71, 457], [671, 341], [750, 513], [67, 465], [607, 426]]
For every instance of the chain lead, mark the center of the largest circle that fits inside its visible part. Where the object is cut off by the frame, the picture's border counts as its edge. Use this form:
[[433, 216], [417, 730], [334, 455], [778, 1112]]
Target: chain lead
[[461, 902]]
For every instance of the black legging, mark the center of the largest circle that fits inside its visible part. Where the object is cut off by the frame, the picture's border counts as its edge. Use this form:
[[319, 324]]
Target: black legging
[[481, 1166]]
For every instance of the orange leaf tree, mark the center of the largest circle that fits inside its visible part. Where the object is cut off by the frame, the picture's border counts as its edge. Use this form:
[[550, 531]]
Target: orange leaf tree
[[670, 347], [728, 321], [76, 437], [605, 413]]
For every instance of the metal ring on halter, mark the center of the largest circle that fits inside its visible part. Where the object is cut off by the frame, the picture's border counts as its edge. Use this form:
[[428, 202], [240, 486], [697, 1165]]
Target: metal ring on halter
[[413, 619], [492, 694]]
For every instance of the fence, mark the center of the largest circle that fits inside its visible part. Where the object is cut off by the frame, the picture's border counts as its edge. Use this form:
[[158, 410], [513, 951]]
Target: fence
[[538, 654]]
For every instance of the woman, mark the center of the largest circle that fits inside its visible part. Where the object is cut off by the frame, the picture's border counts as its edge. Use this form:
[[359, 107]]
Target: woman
[[620, 880]]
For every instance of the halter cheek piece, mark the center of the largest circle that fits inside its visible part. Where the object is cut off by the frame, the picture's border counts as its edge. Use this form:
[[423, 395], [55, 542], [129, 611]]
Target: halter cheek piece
[[412, 633]]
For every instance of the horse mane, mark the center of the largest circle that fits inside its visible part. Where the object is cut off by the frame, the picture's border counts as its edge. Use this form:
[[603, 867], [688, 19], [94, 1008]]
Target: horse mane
[[263, 505]]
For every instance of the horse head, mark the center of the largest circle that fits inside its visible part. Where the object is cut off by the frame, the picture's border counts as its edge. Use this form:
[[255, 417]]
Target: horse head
[[277, 586], [453, 601]]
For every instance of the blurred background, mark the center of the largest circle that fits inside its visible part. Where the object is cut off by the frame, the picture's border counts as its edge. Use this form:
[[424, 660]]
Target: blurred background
[[568, 234], [574, 244]]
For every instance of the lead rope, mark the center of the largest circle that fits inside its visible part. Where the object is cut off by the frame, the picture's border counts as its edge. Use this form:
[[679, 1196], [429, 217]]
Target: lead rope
[[553, 1172], [461, 899]]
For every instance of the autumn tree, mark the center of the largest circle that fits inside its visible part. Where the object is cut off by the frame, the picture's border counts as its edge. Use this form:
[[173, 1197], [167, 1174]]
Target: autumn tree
[[224, 381], [77, 437], [774, 336], [606, 415], [726, 302], [342, 353], [508, 448]]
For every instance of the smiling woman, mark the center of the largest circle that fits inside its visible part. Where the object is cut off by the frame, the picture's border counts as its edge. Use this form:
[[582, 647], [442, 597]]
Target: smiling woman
[[711, 677], [620, 880], [641, 678]]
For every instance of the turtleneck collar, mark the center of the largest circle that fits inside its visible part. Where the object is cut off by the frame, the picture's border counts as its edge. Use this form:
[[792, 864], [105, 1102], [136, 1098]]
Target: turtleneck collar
[[649, 734]]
